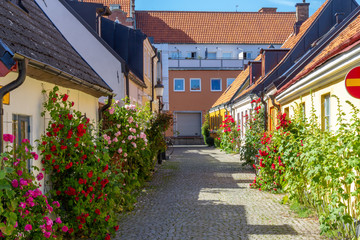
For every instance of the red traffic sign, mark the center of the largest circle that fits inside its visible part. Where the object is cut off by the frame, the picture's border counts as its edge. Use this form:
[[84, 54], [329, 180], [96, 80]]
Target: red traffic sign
[[352, 82]]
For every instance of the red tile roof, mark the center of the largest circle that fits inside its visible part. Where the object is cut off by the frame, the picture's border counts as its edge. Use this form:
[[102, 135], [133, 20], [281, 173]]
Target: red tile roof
[[125, 4], [289, 43], [231, 90], [216, 27], [346, 40]]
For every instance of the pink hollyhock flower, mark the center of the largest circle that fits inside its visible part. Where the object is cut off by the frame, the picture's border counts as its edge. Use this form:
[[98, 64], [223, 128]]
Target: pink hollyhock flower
[[273, 166], [22, 205], [142, 135], [111, 110], [134, 144], [118, 134], [123, 141], [118, 125], [19, 172], [40, 176], [28, 227], [130, 137], [16, 225], [47, 234], [25, 140], [125, 154], [131, 119], [58, 220], [8, 138], [120, 150], [56, 204], [65, 228], [15, 183], [23, 182], [115, 140]]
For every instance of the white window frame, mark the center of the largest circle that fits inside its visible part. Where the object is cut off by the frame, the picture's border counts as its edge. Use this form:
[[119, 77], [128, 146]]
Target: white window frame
[[183, 80], [227, 82], [199, 84], [211, 87]]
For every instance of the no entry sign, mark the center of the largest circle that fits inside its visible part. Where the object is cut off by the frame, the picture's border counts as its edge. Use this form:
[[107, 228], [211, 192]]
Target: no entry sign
[[352, 82]]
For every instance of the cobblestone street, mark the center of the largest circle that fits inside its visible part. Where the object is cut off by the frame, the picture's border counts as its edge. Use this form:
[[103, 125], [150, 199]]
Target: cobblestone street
[[202, 193]]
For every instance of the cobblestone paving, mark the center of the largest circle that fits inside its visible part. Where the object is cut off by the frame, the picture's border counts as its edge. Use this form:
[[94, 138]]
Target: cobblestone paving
[[202, 193]]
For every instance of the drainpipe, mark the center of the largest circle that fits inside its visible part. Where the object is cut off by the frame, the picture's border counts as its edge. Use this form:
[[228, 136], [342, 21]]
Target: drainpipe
[[126, 73], [272, 97], [105, 107], [152, 82], [22, 64], [265, 110]]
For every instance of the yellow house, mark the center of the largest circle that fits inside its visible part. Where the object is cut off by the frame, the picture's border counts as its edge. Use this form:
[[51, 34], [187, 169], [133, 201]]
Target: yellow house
[[325, 76]]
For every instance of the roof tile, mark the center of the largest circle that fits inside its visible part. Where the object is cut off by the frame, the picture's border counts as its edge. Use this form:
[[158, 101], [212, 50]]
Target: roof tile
[[216, 27]]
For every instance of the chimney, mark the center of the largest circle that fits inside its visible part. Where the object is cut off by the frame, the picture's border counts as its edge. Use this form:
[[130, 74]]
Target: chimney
[[302, 11], [267, 10]]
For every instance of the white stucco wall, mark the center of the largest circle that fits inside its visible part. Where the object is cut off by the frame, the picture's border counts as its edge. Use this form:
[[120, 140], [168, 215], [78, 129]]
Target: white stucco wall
[[244, 107], [104, 63], [27, 100]]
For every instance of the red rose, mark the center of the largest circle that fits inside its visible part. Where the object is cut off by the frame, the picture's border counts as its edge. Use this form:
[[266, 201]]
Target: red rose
[[91, 189], [72, 104], [69, 134], [63, 147], [105, 168], [90, 174], [80, 226], [44, 143], [48, 157], [107, 237], [65, 97], [116, 227], [49, 134], [84, 157], [56, 166], [81, 181], [97, 211], [107, 218], [76, 145], [71, 230], [70, 116], [53, 148], [58, 193]]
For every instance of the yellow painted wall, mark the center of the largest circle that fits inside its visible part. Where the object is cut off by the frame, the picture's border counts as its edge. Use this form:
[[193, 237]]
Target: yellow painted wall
[[216, 118], [336, 88]]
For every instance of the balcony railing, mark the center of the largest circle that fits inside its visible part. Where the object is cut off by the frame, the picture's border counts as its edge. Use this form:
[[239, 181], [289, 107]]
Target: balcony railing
[[206, 63]]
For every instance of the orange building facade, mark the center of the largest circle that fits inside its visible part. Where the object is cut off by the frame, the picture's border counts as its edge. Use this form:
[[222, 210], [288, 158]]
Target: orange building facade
[[192, 93]]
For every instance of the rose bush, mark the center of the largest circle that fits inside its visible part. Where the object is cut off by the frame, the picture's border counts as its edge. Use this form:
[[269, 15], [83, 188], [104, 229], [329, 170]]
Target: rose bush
[[80, 172], [25, 212]]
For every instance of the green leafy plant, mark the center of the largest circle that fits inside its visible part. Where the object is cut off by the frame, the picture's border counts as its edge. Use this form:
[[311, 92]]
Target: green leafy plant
[[80, 173], [25, 213]]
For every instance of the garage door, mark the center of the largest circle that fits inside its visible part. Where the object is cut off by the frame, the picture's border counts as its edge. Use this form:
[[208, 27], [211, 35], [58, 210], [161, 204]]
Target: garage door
[[188, 124]]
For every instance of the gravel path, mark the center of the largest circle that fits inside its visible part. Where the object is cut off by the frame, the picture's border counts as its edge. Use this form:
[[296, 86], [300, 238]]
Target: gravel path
[[202, 193]]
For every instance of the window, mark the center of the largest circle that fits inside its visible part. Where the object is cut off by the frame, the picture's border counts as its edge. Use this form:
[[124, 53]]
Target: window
[[179, 85], [191, 55], [114, 7], [195, 84], [325, 112], [21, 131], [247, 55], [216, 85], [229, 81], [227, 55], [211, 55], [175, 55]]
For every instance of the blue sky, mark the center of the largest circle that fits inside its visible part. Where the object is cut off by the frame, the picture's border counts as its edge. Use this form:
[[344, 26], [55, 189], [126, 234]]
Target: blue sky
[[224, 5]]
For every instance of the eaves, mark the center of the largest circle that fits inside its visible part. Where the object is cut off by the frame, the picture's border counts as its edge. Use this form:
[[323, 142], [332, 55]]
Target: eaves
[[333, 70]]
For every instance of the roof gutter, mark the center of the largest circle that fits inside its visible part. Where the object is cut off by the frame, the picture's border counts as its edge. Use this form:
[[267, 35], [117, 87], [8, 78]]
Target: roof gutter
[[152, 81], [22, 64], [69, 77]]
